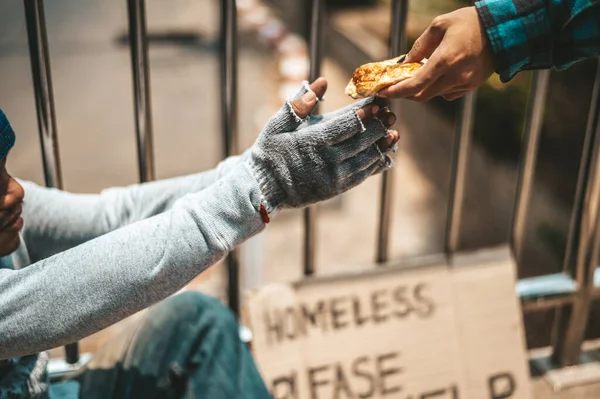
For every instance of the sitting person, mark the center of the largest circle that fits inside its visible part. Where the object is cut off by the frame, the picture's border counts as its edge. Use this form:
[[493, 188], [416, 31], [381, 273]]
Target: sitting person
[[75, 264]]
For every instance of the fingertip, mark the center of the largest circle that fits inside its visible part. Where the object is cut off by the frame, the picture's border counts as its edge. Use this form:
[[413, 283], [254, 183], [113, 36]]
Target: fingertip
[[387, 117], [319, 86], [388, 142], [360, 113], [321, 80], [392, 136], [391, 119]]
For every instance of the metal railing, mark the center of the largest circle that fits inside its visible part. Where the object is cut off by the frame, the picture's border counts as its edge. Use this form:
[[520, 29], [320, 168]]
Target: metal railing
[[398, 45], [140, 69], [229, 96], [581, 258], [571, 292], [458, 176]]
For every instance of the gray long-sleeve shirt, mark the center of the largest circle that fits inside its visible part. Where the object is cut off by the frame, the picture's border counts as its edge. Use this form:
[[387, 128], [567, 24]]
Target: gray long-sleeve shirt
[[88, 261]]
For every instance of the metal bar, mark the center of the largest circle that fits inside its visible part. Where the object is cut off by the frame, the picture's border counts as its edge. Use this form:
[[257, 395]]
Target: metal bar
[[536, 305], [398, 45], [44, 107], [571, 322], [44, 97], [229, 125], [229, 90], [72, 353], [138, 44], [464, 130], [533, 129], [316, 53], [398, 41], [309, 217], [574, 226], [316, 38]]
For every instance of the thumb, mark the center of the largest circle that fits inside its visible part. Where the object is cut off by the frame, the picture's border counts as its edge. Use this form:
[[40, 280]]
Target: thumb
[[303, 105], [292, 114], [426, 44]]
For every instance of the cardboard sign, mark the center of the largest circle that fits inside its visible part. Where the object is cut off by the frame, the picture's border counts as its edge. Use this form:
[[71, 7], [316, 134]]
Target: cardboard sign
[[435, 331]]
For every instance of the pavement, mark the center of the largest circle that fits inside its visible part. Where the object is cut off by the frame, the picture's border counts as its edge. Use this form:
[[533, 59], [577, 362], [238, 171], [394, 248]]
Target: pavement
[[93, 94]]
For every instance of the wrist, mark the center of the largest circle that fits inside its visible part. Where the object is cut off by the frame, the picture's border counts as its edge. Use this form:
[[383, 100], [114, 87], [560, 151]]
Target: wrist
[[270, 192]]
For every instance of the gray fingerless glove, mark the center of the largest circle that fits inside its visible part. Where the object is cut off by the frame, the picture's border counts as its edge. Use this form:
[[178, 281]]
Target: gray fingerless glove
[[338, 112], [296, 167]]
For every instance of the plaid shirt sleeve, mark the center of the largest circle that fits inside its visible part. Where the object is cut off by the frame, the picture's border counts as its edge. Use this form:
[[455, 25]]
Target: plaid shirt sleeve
[[540, 34]]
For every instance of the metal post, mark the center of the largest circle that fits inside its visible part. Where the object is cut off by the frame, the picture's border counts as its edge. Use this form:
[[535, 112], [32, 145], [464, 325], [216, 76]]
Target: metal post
[[138, 44], [574, 226], [42, 85], [316, 51], [229, 76], [464, 130], [229, 124], [533, 128], [571, 322], [44, 106], [398, 45]]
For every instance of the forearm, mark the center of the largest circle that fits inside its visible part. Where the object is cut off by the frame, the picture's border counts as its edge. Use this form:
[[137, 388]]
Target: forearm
[[57, 220], [76, 293], [124, 205]]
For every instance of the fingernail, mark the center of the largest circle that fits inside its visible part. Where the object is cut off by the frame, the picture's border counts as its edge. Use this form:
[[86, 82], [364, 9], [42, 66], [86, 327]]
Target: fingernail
[[381, 95], [391, 119], [309, 97], [375, 109]]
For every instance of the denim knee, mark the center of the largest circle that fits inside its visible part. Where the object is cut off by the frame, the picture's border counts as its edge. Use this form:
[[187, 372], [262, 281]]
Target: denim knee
[[195, 306]]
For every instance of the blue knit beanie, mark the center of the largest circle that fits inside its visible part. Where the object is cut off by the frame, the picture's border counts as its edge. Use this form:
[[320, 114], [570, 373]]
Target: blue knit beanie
[[7, 135]]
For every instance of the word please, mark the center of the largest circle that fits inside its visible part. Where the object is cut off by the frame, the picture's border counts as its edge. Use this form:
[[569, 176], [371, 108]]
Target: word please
[[376, 376], [365, 377]]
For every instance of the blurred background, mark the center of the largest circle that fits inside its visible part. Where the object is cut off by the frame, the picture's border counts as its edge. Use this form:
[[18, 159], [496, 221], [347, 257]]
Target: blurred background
[[94, 105]]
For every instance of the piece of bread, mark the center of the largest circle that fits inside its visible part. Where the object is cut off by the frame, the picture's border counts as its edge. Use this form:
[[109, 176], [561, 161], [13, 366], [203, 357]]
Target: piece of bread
[[369, 79]]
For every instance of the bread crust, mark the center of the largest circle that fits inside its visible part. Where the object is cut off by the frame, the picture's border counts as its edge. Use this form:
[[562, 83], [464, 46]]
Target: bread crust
[[369, 79]]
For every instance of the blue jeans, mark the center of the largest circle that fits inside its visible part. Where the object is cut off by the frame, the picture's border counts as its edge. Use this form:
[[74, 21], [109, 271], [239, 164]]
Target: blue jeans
[[187, 346]]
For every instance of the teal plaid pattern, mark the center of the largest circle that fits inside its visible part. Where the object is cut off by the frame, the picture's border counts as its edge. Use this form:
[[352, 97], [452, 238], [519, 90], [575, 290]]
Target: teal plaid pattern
[[540, 34]]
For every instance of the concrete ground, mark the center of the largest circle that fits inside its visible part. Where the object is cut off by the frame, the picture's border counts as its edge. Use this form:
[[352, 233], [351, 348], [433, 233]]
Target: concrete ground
[[93, 93]]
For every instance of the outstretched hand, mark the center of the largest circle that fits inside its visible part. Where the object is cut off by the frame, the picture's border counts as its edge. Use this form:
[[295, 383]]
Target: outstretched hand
[[460, 59], [298, 162]]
